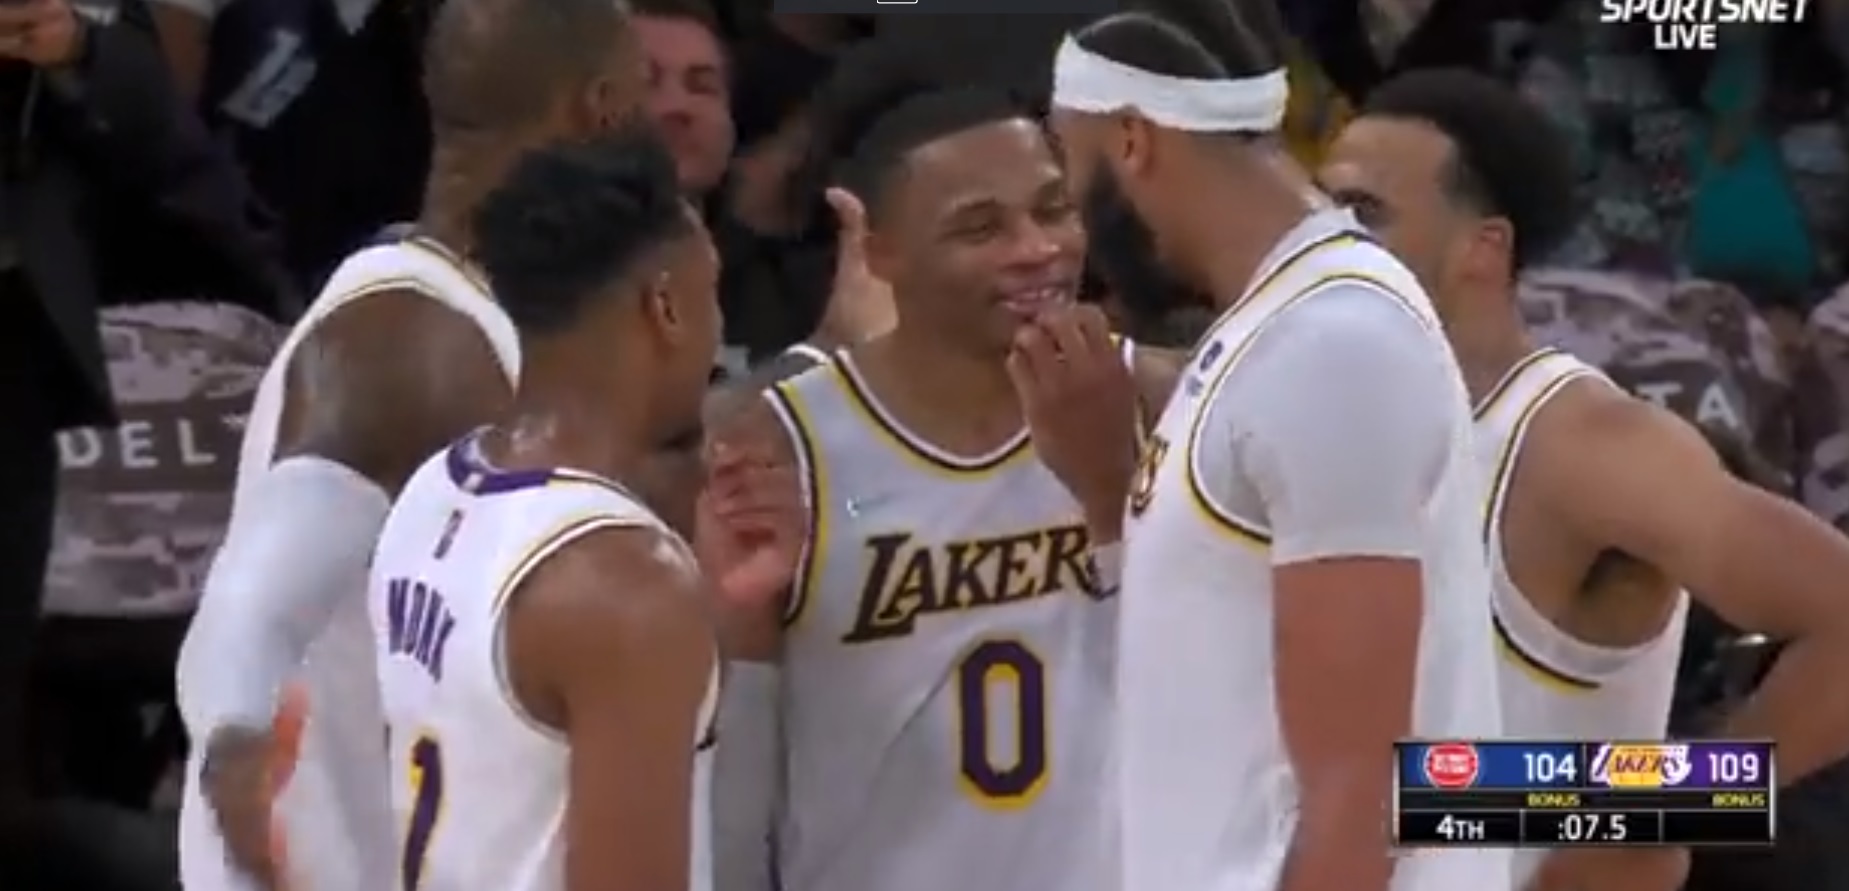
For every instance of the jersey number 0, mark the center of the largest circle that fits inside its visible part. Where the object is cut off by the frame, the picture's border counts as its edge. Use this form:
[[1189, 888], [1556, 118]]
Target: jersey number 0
[[993, 664]]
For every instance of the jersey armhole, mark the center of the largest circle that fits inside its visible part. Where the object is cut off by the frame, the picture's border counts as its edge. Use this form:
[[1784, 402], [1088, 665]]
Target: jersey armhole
[[548, 544], [794, 417]]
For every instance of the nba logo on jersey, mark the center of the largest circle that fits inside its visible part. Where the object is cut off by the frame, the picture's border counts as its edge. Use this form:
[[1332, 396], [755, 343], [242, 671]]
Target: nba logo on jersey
[[1211, 356], [1451, 765], [1644, 766]]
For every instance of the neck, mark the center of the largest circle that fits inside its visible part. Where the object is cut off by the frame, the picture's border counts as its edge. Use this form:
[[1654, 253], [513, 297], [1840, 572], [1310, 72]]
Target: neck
[[556, 420], [1238, 243], [976, 382], [463, 171], [1488, 340]]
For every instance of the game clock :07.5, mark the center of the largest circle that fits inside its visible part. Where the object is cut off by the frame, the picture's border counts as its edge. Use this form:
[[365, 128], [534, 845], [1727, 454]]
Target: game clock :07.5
[[1591, 827]]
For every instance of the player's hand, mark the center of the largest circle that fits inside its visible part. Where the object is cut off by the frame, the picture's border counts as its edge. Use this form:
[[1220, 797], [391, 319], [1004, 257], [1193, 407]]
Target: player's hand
[[247, 771], [1080, 403], [1612, 869], [750, 524], [860, 305]]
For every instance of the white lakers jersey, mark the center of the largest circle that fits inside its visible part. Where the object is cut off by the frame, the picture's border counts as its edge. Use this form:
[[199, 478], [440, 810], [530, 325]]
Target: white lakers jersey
[[478, 787], [1209, 797], [334, 809], [1555, 686], [947, 667]]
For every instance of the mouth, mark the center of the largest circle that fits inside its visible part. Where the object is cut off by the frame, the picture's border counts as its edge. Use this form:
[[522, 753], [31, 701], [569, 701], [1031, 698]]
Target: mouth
[[1029, 301]]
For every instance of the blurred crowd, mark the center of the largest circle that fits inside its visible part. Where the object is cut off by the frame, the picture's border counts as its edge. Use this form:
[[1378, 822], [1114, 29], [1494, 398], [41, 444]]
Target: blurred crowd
[[175, 176]]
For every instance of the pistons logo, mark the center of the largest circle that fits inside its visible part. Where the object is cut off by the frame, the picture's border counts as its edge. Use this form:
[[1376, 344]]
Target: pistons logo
[[1451, 765]]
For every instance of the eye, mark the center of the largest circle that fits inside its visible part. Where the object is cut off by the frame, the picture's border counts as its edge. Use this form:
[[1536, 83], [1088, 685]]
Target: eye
[[977, 231], [1055, 210]]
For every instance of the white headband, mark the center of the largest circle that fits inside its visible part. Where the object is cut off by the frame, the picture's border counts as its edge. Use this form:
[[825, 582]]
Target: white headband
[[1085, 81]]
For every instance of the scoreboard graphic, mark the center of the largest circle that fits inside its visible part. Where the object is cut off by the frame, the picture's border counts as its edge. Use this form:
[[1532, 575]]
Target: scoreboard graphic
[[1557, 794]]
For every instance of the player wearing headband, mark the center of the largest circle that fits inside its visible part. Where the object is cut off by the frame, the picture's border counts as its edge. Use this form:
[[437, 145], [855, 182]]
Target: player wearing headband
[[1303, 574]]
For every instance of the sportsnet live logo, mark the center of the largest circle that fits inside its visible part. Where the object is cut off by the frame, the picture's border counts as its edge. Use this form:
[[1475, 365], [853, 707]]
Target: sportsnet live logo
[[1695, 24]]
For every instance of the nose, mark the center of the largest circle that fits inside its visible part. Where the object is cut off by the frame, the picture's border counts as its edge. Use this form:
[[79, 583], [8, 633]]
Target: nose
[[1035, 244]]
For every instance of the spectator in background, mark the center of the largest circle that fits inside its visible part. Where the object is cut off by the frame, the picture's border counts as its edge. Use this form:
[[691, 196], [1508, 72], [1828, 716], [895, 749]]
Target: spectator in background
[[778, 259], [1822, 406], [321, 103], [88, 119], [1731, 165], [690, 91]]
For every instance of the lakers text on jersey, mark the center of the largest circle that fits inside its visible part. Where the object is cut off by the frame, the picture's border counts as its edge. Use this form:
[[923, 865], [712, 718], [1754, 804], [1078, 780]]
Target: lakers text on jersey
[[948, 665]]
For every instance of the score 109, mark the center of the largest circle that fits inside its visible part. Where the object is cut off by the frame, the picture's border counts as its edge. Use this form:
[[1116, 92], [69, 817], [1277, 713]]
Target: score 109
[[1625, 765]]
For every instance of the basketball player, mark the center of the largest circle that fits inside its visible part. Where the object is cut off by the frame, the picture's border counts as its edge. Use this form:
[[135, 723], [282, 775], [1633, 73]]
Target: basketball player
[[551, 729], [1303, 580], [403, 352], [1602, 508], [932, 688]]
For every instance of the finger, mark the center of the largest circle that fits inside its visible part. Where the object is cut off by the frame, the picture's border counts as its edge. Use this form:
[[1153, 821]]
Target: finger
[[286, 737], [1068, 340], [1033, 363], [1095, 328], [756, 489], [850, 213]]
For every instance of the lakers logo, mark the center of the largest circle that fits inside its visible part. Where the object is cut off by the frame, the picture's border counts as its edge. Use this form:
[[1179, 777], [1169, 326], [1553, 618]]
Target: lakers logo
[[1643, 766], [1143, 485]]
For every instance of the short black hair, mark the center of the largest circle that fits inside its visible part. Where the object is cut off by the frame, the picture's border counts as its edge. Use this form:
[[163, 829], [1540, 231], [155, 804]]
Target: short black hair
[[570, 219], [1509, 159], [877, 108], [1201, 39], [495, 64]]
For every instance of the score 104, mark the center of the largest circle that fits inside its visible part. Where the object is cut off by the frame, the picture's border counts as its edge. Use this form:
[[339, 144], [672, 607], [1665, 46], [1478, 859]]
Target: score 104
[[1614, 765]]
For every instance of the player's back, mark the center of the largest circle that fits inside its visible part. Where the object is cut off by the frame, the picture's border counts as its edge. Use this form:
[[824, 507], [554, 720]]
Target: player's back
[[1209, 796], [479, 787], [332, 805], [948, 669], [1555, 685]]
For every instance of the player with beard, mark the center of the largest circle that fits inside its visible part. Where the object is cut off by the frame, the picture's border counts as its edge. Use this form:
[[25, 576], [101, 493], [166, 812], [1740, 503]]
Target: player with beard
[[404, 351], [1303, 576], [934, 687], [1602, 508]]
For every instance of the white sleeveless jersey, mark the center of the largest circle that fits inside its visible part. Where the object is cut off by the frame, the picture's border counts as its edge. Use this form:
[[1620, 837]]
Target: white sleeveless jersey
[[948, 670], [334, 809], [1209, 798], [478, 787], [1555, 686]]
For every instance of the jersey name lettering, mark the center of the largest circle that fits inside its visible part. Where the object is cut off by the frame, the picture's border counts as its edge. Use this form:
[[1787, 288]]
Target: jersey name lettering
[[907, 580], [420, 624]]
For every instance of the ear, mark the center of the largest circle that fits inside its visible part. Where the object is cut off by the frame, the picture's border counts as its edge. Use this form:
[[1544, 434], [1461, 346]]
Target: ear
[[657, 304], [1135, 143]]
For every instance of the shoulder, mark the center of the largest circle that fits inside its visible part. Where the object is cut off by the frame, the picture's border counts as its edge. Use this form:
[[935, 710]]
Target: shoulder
[[1595, 435], [755, 419], [578, 621], [1348, 333], [391, 373]]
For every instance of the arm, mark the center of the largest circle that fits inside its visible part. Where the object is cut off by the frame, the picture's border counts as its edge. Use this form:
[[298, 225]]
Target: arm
[[623, 671], [1356, 422], [748, 766], [363, 412], [1653, 489]]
